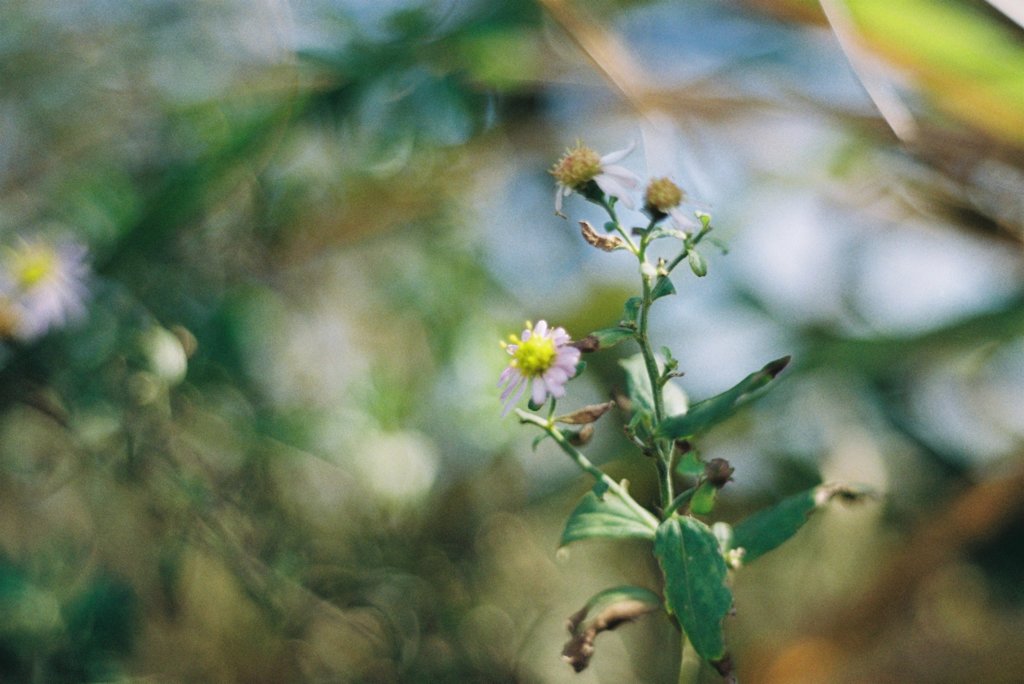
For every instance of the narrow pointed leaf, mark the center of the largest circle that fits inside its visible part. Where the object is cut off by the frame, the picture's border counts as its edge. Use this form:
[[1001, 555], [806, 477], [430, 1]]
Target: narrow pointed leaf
[[769, 528], [662, 288], [709, 412], [695, 588], [631, 310], [607, 515], [609, 337], [538, 439]]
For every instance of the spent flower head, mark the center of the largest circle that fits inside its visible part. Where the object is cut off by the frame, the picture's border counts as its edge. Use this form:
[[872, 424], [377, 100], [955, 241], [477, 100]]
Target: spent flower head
[[664, 198], [663, 195], [581, 165], [42, 286], [541, 355]]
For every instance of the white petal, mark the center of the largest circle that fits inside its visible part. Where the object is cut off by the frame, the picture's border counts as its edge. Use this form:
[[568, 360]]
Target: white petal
[[682, 221], [612, 187], [613, 157], [622, 174]]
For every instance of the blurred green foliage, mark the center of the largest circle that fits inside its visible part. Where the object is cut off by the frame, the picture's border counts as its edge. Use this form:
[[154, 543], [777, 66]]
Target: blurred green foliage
[[272, 449]]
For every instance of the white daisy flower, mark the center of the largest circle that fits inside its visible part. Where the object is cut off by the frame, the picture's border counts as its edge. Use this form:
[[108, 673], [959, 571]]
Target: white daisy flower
[[580, 165], [42, 286], [541, 356]]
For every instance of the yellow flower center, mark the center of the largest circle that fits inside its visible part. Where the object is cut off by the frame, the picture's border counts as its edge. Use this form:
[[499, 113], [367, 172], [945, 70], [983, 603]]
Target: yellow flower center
[[32, 265], [533, 356], [577, 167], [663, 194]]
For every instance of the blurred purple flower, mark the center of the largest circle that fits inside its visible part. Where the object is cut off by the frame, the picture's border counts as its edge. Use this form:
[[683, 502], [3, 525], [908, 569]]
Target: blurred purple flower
[[42, 287]]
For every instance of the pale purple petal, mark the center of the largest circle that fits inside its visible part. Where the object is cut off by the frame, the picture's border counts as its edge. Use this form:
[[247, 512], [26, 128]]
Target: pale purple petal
[[539, 391], [568, 369], [558, 199], [568, 356], [514, 399], [556, 375], [556, 390], [541, 328], [56, 299], [518, 381]]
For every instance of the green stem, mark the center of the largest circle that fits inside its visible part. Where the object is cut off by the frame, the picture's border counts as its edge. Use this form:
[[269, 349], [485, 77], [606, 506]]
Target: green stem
[[664, 484], [679, 257], [681, 500], [645, 348], [663, 448], [584, 463], [610, 208]]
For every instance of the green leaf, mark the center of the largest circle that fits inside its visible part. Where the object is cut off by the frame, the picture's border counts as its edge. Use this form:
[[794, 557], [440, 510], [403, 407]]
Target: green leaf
[[638, 383], [704, 414], [607, 515], [769, 528], [690, 464], [662, 288], [695, 574], [605, 611], [697, 263], [703, 501], [631, 310], [722, 247], [609, 337]]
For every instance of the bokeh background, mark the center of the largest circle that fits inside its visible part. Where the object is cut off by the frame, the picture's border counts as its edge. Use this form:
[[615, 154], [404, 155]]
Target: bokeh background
[[272, 451]]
